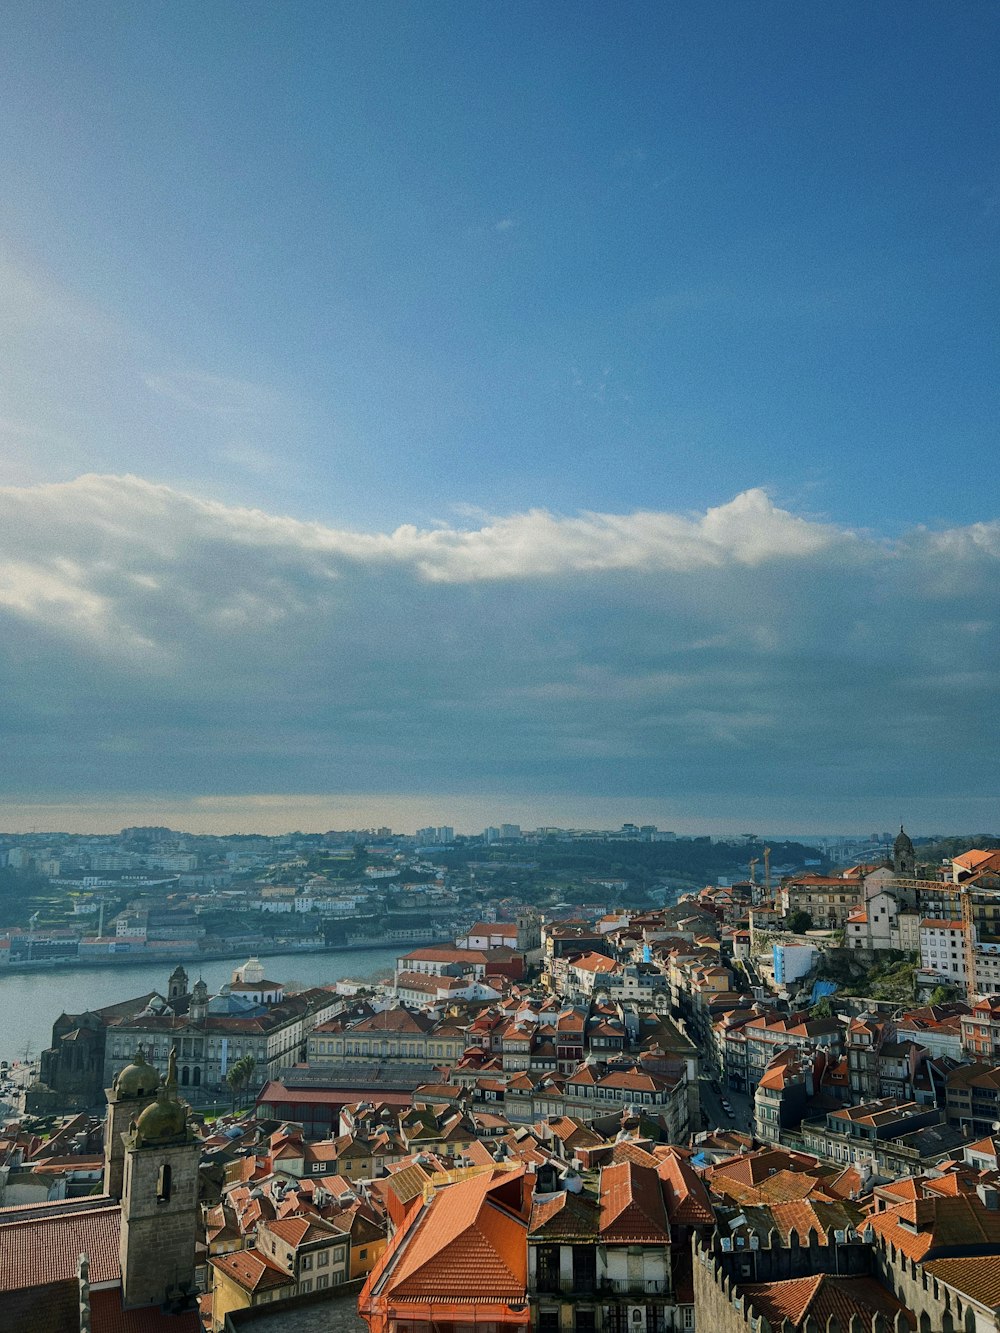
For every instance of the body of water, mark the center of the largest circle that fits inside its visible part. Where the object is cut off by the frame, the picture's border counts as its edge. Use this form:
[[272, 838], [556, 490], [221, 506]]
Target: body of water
[[30, 1002]]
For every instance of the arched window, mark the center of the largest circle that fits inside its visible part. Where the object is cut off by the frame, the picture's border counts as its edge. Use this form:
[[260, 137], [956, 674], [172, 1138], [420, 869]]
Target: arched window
[[185, 1076], [163, 1183], [197, 1076]]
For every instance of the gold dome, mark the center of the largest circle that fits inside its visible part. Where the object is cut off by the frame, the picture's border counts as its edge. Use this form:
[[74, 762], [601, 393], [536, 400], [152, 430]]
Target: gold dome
[[161, 1121], [165, 1119], [139, 1079]]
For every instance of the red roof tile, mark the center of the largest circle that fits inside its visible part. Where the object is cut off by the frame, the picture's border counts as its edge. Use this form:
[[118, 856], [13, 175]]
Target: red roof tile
[[43, 1243], [632, 1208], [252, 1270], [822, 1296], [464, 1245]]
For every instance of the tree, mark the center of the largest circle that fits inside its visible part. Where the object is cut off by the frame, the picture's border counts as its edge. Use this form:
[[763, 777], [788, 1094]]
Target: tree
[[240, 1075], [800, 922]]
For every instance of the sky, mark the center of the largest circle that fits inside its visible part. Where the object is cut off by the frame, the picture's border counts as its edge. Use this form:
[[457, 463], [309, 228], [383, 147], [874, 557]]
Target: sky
[[464, 412]]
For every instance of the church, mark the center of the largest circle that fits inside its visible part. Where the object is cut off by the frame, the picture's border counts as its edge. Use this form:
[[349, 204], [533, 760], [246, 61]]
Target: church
[[122, 1261]]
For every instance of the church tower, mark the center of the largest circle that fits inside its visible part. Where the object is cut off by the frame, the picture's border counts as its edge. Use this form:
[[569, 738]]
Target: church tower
[[904, 859], [160, 1203], [198, 1008], [133, 1089], [177, 986], [528, 929]]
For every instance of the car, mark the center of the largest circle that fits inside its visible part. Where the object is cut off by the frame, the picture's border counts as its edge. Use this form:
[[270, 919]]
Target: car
[[727, 1106]]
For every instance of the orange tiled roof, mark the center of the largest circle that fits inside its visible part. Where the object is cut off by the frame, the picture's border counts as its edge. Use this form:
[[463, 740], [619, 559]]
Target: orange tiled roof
[[632, 1208], [684, 1193], [464, 1245], [564, 1216], [42, 1244], [822, 1296], [977, 1278], [108, 1316], [926, 1225], [252, 1270], [753, 1168]]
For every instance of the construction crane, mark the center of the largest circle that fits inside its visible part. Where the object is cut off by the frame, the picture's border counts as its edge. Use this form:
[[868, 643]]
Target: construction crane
[[767, 870], [752, 867]]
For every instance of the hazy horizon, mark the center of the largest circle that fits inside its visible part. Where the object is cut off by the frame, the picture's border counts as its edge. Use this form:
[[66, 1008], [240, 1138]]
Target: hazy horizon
[[276, 815]]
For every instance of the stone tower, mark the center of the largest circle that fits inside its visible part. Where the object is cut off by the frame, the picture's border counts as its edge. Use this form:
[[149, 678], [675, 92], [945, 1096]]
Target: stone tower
[[160, 1203], [177, 986], [133, 1089], [528, 929], [903, 857], [198, 1008]]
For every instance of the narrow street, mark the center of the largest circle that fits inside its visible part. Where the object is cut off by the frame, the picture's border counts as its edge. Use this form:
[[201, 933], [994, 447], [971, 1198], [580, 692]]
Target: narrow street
[[711, 1104]]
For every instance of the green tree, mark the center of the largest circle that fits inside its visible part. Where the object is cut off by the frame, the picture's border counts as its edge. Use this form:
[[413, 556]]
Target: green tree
[[239, 1077], [800, 922]]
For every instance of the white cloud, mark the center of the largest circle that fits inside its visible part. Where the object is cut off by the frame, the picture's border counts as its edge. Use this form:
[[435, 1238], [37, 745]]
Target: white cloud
[[155, 640]]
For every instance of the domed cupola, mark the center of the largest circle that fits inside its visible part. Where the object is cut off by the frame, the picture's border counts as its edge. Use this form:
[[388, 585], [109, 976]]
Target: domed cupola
[[139, 1079], [165, 1120]]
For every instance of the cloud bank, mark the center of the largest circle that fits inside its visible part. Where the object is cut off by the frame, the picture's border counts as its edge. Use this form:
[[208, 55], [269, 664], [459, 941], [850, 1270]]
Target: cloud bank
[[155, 642]]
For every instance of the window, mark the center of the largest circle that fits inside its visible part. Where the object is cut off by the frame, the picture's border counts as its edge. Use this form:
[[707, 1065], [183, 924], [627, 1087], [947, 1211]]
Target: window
[[322, 1281], [163, 1183], [689, 1316], [322, 1259], [307, 1262], [306, 1286]]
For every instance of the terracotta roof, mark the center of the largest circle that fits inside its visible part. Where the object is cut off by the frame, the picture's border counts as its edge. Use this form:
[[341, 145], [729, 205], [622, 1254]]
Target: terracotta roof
[[626, 1151], [924, 1226], [753, 1168], [396, 1019], [822, 1296], [971, 860], [632, 1209], [805, 1215], [42, 1244], [683, 1191], [594, 962], [978, 1279], [464, 1245], [108, 1316], [252, 1270], [564, 1216]]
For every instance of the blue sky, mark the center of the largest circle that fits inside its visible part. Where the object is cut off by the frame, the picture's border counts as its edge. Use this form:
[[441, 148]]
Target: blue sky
[[472, 273]]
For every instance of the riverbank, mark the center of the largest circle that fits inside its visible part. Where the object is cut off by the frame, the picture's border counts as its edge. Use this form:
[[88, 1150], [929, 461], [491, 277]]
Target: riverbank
[[32, 999], [237, 954]]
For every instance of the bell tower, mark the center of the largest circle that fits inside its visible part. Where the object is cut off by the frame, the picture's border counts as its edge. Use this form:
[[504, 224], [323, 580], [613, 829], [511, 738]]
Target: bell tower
[[903, 856], [132, 1090], [177, 986], [160, 1203]]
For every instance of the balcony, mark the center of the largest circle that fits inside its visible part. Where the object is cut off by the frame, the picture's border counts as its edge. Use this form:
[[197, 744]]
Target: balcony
[[626, 1286]]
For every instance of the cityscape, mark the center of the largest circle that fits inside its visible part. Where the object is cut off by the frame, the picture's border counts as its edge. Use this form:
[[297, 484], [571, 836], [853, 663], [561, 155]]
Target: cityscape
[[499, 667]]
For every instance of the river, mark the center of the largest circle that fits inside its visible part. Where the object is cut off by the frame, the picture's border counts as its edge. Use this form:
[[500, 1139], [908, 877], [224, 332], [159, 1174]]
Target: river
[[30, 1002]]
